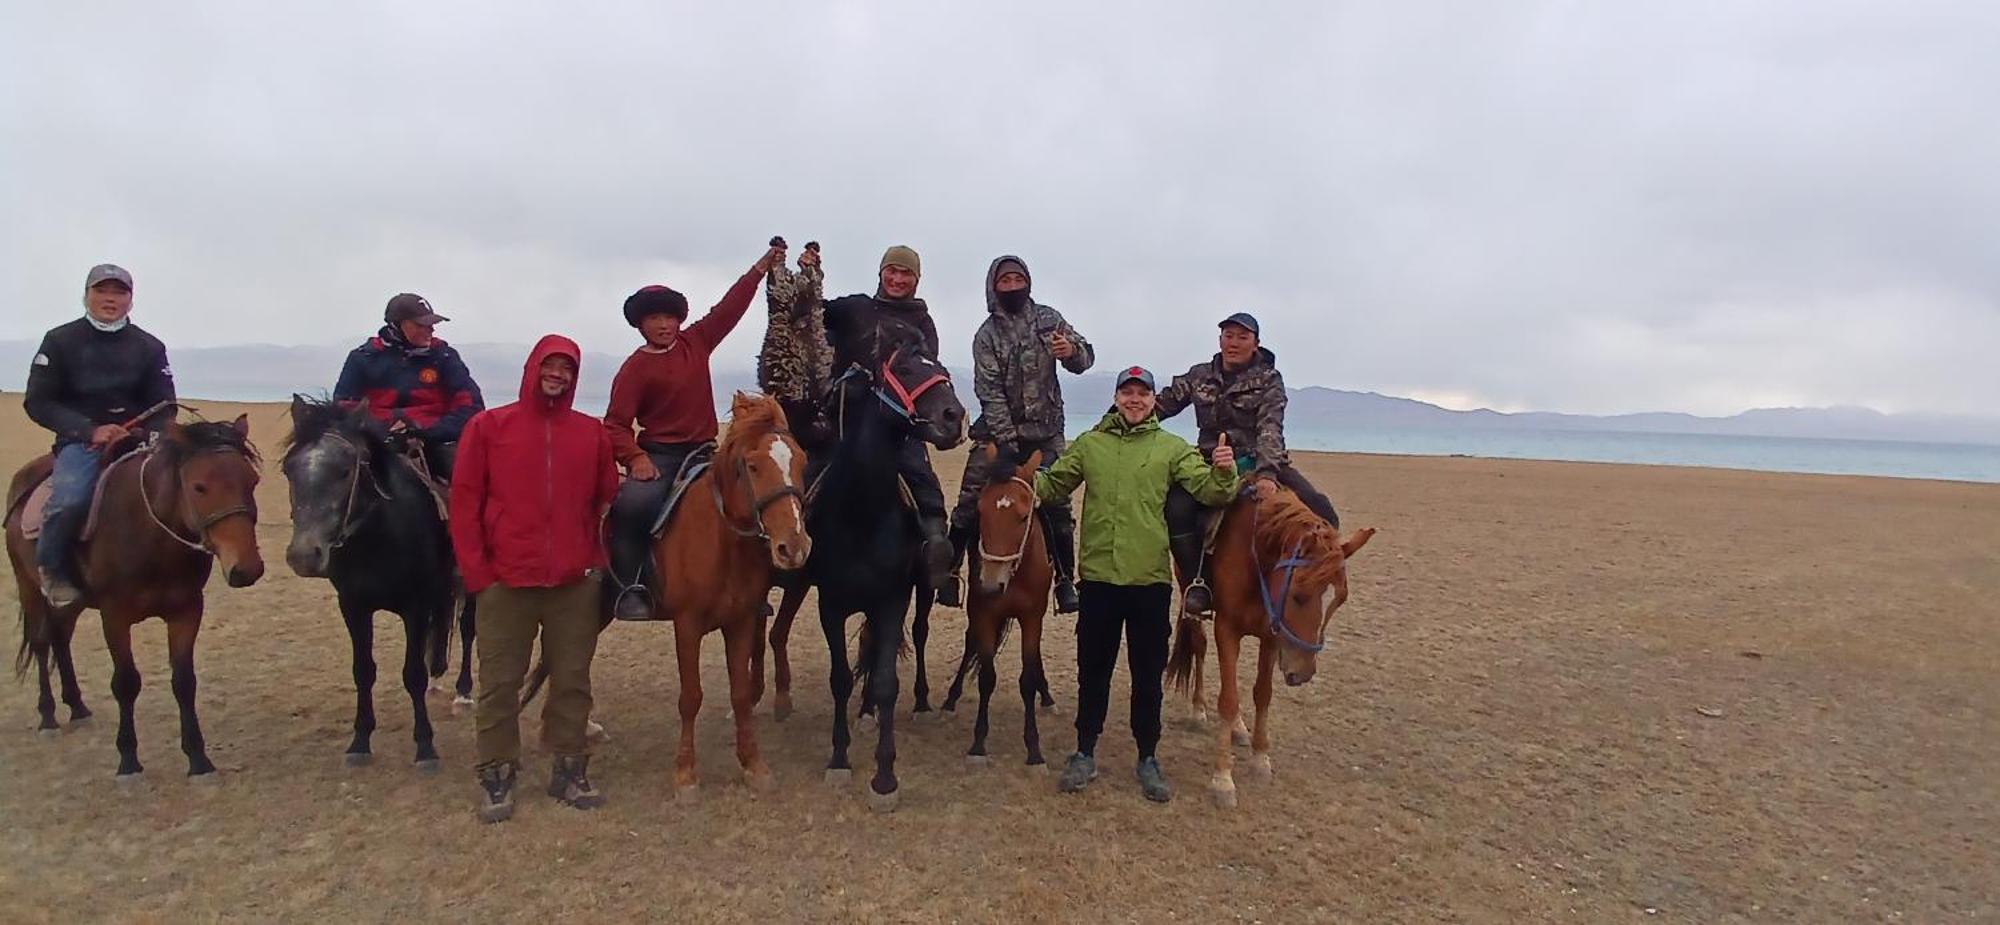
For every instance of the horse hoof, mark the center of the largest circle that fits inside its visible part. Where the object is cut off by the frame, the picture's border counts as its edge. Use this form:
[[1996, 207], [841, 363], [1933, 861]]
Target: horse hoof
[[781, 712], [1050, 709], [760, 783], [1038, 768], [131, 781], [978, 761], [1260, 768], [81, 722], [1225, 799], [687, 793], [1239, 737], [358, 759], [884, 802], [428, 766], [205, 779], [50, 733], [594, 733], [839, 777], [460, 704]]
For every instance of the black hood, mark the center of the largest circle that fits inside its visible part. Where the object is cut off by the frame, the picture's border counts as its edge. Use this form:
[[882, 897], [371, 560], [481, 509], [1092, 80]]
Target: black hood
[[993, 277]]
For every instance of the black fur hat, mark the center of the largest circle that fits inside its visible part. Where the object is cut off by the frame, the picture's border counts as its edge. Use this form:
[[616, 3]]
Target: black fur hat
[[654, 300]]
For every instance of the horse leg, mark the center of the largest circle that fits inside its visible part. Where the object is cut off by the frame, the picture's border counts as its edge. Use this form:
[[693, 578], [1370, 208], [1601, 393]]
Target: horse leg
[[462, 697], [882, 692], [987, 677], [416, 677], [1033, 679], [687, 652], [982, 641], [61, 632], [45, 704], [760, 629], [124, 687], [181, 632], [922, 631], [841, 680], [967, 657], [1260, 739], [740, 645], [361, 635], [1223, 785], [781, 656]]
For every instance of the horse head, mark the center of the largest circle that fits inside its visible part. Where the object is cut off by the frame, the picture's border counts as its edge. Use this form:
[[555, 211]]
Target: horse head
[[332, 461], [1006, 518], [916, 386], [1301, 566], [217, 492], [760, 464]]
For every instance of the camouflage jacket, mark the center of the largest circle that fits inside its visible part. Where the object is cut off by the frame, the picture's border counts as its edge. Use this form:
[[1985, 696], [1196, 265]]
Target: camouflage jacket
[[795, 362], [1014, 372], [1248, 404]]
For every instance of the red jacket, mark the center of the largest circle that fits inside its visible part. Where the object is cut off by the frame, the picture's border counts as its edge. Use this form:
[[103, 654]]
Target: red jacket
[[530, 487], [670, 394]]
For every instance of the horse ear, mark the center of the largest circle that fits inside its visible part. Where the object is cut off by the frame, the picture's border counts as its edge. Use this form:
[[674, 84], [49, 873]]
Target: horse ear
[[241, 425], [1034, 462], [1355, 542]]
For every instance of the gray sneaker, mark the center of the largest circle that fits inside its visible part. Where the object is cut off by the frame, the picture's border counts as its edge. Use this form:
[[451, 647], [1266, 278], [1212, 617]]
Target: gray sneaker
[[1082, 769], [57, 589], [1153, 781], [497, 782]]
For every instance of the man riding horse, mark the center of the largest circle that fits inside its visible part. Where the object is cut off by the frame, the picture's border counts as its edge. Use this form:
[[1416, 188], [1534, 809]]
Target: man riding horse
[[1014, 359], [1238, 393], [665, 387], [413, 383], [89, 381]]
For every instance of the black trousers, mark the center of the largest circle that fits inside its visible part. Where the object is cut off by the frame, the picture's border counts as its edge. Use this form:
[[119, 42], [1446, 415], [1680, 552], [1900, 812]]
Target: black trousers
[[914, 464], [1139, 612], [633, 511], [1184, 512]]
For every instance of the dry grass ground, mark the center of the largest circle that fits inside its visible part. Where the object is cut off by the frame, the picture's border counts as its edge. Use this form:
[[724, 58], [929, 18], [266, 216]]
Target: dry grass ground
[[1505, 728]]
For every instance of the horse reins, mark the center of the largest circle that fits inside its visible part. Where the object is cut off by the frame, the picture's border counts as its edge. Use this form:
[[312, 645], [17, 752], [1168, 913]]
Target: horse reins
[[758, 504], [905, 402], [1274, 607], [1013, 562], [207, 523]]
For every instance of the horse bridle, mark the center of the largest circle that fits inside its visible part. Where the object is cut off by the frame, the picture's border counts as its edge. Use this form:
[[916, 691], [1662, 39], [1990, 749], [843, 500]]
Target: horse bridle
[[903, 399], [208, 523], [758, 504], [1013, 562], [350, 524], [1274, 608]]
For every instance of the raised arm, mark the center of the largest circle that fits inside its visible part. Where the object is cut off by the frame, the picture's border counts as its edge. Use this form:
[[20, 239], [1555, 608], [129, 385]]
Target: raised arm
[[723, 318], [1175, 397], [1083, 356], [1212, 485]]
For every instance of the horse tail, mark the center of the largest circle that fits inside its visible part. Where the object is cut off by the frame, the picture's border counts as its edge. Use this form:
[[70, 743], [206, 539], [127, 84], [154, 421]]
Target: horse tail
[[21, 654], [1190, 644], [536, 678], [863, 665]]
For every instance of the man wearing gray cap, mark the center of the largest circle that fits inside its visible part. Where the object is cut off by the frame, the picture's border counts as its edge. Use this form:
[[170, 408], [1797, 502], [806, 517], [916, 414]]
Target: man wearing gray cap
[[413, 382], [89, 383]]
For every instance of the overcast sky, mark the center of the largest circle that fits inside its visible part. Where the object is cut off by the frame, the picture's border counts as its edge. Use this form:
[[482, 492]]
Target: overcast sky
[[1573, 206]]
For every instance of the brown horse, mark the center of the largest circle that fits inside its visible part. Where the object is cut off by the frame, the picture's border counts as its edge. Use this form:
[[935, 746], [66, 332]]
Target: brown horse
[[1013, 585], [165, 514], [1280, 573], [719, 560]]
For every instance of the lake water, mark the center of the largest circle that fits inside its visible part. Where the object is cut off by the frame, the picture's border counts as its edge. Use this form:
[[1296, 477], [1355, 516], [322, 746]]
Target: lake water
[[1959, 462]]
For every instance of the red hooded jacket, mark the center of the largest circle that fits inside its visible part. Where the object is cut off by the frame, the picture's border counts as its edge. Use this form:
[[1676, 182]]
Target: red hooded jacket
[[530, 487]]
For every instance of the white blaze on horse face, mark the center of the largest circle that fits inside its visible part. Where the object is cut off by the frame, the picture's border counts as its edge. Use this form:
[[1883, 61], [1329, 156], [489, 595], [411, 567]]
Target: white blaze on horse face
[[781, 453], [1005, 502]]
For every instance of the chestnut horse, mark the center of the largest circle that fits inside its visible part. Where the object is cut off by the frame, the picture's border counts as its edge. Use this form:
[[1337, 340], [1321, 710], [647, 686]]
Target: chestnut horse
[[1280, 572], [1012, 585], [719, 559], [165, 513]]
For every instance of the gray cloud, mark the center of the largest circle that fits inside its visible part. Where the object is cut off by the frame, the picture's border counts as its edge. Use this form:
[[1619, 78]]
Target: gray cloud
[[1583, 207]]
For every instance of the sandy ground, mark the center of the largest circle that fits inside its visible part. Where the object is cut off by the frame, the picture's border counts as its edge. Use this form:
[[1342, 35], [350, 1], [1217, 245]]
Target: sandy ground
[[1513, 723]]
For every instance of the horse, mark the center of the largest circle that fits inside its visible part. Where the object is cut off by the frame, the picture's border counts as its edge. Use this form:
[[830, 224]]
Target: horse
[[1280, 573], [365, 520], [866, 542], [166, 513], [721, 557], [1012, 586]]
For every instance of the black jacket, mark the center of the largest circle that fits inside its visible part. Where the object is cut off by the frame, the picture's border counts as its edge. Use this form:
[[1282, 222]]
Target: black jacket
[[83, 377], [854, 323]]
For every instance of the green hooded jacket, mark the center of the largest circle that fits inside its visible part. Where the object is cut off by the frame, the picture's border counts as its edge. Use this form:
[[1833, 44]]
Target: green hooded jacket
[[1126, 470]]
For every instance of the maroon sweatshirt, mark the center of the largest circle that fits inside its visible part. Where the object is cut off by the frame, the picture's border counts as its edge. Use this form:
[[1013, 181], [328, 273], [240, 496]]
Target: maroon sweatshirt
[[669, 392]]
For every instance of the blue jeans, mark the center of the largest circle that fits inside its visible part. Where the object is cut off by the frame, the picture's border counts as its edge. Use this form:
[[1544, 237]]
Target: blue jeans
[[75, 478]]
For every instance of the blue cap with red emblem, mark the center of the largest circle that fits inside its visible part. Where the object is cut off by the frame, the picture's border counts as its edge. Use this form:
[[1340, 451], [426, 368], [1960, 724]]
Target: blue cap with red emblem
[[1137, 374]]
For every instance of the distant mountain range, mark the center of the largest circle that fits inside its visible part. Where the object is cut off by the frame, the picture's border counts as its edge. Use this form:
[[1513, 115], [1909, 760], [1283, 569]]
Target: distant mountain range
[[272, 373]]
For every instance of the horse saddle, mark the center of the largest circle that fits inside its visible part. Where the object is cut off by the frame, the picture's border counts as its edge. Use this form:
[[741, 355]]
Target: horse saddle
[[692, 467], [35, 504]]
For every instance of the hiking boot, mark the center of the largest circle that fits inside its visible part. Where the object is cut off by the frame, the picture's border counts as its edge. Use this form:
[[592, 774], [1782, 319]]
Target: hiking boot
[[1081, 770], [1153, 781], [1066, 601], [634, 603], [937, 561], [1196, 601], [952, 592], [570, 784], [59, 591], [498, 783]]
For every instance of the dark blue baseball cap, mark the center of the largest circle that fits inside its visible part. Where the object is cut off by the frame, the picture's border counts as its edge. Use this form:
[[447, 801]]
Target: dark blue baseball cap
[[1137, 374], [1243, 320]]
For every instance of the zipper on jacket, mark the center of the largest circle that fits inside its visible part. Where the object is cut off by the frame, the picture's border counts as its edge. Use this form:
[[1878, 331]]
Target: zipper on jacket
[[549, 498]]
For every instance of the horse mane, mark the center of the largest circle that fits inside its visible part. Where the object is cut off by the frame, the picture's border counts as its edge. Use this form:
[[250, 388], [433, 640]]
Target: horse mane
[[751, 418], [1283, 522], [313, 418], [204, 436]]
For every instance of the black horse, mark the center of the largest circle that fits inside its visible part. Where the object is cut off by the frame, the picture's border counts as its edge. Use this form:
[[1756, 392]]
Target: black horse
[[362, 517], [866, 540]]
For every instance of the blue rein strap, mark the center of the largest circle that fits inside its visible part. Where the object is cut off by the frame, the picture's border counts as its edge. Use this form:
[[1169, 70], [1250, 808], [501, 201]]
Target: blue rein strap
[[1274, 608]]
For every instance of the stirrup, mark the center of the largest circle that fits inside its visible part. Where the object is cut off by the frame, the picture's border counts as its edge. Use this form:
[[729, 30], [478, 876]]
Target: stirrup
[[1188, 599], [634, 592]]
